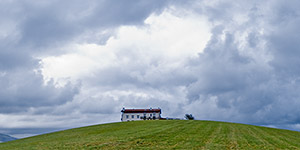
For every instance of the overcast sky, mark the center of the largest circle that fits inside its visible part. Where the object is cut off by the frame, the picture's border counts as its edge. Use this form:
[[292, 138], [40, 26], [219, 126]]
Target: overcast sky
[[66, 64]]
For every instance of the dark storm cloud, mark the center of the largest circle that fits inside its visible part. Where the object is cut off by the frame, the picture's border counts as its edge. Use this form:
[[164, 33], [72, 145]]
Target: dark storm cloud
[[259, 80], [58, 22], [284, 41], [31, 28], [22, 89]]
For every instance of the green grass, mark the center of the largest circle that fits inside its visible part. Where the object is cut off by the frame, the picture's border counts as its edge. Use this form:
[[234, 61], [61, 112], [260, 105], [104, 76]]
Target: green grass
[[163, 134]]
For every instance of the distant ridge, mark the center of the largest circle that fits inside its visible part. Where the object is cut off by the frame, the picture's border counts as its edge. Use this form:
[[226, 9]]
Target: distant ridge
[[5, 138]]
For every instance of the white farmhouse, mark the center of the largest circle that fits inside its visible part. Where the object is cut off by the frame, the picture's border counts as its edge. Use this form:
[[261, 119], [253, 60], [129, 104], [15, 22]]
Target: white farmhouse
[[140, 114]]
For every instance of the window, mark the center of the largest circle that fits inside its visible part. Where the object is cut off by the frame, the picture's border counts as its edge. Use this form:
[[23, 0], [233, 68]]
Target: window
[[138, 116], [132, 116], [150, 115], [127, 116], [153, 114]]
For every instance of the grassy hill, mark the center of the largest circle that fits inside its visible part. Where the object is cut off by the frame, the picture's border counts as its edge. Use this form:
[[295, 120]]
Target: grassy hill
[[163, 134]]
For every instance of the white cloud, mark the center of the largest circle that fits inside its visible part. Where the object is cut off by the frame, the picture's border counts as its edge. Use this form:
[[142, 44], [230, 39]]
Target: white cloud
[[166, 39], [139, 66], [150, 56]]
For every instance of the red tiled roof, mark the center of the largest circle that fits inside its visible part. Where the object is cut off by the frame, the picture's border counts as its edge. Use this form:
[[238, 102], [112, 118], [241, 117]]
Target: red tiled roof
[[141, 110]]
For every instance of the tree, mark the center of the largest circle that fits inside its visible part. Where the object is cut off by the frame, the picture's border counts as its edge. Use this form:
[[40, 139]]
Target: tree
[[189, 117]]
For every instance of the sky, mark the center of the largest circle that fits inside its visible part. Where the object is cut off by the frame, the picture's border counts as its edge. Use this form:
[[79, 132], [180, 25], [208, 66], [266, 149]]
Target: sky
[[66, 64]]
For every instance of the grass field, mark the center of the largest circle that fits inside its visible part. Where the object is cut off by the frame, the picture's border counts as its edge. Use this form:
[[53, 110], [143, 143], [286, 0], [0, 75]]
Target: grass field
[[163, 134]]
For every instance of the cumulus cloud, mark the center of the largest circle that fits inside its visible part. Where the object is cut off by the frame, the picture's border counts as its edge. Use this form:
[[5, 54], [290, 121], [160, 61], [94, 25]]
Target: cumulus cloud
[[247, 73], [138, 67], [33, 30], [20, 91]]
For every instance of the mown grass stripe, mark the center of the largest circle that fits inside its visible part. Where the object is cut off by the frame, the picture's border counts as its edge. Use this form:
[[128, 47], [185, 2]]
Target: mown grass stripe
[[272, 139], [282, 136], [211, 142], [255, 140], [233, 138]]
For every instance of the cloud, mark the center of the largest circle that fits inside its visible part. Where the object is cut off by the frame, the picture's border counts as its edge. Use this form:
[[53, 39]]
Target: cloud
[[138, 67], [55, 23], [247, 73], [80, 62], [21, 90], [32, 30], [166, 40]]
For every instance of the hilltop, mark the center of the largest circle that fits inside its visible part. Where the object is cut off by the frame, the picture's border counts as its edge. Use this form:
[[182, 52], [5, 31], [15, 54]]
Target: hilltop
[[163, 134]]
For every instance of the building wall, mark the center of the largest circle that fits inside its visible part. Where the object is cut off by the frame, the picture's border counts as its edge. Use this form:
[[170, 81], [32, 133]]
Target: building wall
[[137, 116]]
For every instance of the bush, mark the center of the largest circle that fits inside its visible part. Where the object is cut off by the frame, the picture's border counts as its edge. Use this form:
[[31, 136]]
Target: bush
[[189, 117]]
